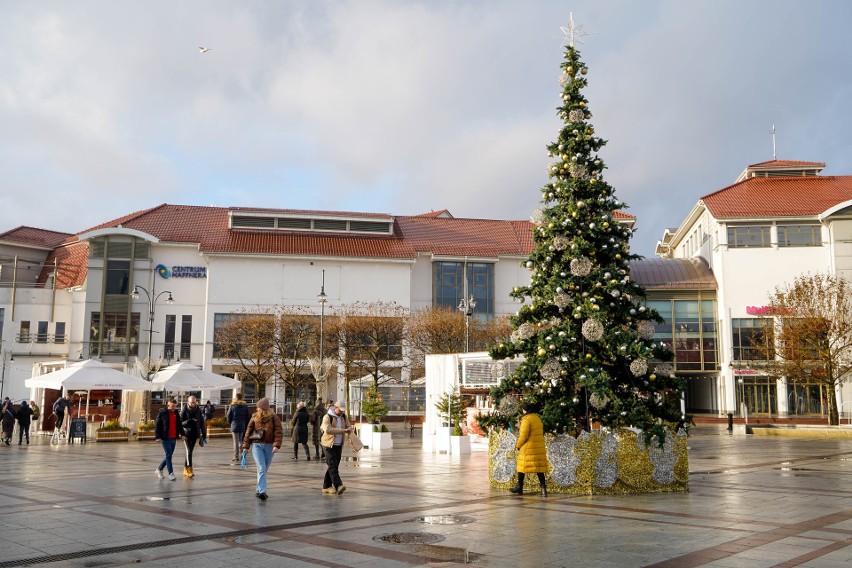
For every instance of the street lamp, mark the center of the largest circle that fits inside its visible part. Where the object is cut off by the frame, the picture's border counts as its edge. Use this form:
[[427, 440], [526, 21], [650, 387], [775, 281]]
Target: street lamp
[[6, 356], [152, 300], [467, 307], [322, 298]]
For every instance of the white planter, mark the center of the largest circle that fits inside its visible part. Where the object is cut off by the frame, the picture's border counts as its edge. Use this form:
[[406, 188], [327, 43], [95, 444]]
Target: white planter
[[459, 445], [445, 443], [374, 440]]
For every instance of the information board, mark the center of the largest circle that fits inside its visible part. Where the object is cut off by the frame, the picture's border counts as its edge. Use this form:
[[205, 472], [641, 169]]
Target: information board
[[78, 429]]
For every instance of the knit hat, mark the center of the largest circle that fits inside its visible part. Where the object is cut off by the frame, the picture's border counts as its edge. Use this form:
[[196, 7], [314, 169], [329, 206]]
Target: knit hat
[[263, 403]]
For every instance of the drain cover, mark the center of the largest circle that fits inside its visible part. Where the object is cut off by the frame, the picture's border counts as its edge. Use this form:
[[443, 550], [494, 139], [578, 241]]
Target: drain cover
[[410, 538], [446, 520]]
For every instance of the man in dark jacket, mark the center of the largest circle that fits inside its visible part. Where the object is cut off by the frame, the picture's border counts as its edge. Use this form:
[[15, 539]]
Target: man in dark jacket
[[167, 430], [195, 430], [24, 416], [238, 416], [59, 408]]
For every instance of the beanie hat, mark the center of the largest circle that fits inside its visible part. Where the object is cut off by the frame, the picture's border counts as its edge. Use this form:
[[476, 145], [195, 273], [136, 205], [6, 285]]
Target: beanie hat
[[263, 403]]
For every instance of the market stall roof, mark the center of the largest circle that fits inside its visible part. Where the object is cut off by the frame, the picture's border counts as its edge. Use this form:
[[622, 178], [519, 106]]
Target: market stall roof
[[90, 374], [183, 377]]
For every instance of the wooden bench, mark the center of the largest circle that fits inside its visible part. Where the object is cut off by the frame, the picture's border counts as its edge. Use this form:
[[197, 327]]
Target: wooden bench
[[414, 423]]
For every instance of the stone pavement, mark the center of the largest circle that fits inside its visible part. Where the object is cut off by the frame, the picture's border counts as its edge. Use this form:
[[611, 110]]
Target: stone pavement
[[753, 502]]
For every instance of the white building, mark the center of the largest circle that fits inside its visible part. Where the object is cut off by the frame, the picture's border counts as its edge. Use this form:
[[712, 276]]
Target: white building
[[780, 219]]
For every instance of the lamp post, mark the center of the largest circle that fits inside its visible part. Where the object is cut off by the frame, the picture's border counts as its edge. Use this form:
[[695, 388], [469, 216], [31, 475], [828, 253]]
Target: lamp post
[[152, 300], [6, 356], [322, 298], [467, 307]]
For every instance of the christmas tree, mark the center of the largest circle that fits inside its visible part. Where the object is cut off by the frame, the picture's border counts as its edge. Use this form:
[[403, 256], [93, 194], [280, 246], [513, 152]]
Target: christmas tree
[[586, 338]]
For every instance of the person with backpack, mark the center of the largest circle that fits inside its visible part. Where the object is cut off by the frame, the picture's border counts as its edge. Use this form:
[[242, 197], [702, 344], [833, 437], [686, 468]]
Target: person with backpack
[[238, 417], [24, 416], [195, 431]]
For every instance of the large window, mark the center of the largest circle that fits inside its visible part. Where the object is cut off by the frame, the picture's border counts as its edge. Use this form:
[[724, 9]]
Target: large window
[[744, 236], [118, 277], [185, 337], [41, 332], [169, 338], [448, 286], [809, 235], [690, 331], [59, 335], [115, 335], [748, 336]]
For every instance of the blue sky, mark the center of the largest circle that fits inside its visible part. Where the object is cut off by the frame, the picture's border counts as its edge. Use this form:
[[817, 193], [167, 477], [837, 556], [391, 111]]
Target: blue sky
[[403, 107]]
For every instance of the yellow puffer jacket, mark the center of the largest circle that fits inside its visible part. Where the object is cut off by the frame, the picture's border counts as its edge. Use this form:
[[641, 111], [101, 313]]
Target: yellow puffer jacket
[[532, 453]]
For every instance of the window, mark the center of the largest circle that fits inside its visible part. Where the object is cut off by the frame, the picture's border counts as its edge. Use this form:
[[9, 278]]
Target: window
[[24, 333], [169, 338], [41, 334], [115, 335], [744, 236], [118, 277], [185, 337], [748, 335], [448, 286], [689, 331], [59, 335], [220, 321], [809, 235]]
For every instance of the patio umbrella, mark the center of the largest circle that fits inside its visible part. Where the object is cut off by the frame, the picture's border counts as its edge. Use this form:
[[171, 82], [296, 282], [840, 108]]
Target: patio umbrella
[[88, 375], [183, 377]]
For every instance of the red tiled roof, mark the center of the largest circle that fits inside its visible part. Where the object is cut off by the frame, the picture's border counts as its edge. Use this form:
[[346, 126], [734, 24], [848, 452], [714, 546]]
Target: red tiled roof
[[466, 237], [71, 265], [786, 164], [34, 237], [622, 215], [779, 196], [442, 212]]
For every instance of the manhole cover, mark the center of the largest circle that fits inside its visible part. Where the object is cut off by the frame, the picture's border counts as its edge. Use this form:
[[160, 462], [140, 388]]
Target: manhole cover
[[446, 520], [409, 538]]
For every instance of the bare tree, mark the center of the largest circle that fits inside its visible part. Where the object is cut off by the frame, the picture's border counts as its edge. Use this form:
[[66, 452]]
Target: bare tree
[[248, 341], [297, 334], [812, 334]]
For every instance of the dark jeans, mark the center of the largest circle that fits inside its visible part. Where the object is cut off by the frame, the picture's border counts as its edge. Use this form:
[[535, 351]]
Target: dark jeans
[[169, 448], [23, 429], [332, 459], [190, 441]]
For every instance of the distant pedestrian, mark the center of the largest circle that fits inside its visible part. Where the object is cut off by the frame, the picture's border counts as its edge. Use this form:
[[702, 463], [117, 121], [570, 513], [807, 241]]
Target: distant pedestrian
[[168, 430], [316, 423], [335, 427], [265, 444], [209, 410], [35, 415], [24, 416], [300, 430], [532, 452], [8, 422], [195, 431], [60, 407], [238, 417]]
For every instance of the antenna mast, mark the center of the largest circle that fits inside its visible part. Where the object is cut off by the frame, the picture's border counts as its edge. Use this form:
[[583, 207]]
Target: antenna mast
[[774, 156]]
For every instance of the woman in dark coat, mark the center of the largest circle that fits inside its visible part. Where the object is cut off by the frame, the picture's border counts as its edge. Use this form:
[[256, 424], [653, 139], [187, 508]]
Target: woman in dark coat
[[316, 431], [8, 422], [300, 430]]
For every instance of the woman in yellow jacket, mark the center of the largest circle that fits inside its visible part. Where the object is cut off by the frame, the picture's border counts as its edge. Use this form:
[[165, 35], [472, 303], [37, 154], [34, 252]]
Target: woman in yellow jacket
[[532, 453]]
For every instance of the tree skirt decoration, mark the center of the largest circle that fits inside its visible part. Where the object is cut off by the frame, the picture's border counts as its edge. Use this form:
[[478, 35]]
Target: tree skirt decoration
[[597, 463]]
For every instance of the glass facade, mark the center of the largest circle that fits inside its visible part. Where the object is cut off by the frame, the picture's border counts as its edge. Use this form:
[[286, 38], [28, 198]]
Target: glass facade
[[448, 286], [690, 331], [120, 334], [742, 236], [809, 235], [747, 334]]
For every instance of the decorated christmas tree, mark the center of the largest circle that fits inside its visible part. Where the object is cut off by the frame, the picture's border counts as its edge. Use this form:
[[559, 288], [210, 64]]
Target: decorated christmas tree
[[583, 331]]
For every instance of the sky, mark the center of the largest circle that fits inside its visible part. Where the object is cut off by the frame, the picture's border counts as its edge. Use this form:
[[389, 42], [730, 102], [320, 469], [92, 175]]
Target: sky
[[404, 107]]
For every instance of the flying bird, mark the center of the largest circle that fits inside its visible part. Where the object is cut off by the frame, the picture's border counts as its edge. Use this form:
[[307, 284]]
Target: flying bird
[[203, 49]]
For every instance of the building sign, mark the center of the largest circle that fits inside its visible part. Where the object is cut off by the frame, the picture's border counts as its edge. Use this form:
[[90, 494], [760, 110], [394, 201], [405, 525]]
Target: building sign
[[181, 271], [766, 311]]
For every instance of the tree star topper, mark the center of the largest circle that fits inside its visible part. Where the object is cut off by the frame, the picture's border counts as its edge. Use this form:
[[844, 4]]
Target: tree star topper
[[573, 33]]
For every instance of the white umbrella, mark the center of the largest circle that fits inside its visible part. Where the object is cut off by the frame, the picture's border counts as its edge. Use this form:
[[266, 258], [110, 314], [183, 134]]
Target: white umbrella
[[90, 374], [183, 377]]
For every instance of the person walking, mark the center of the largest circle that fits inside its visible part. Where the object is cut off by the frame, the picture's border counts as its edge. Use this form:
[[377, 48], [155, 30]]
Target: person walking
[[167, 430], [299, 424], [316, 423], [24, 416], [209, 410], [8, 422], [264, 435], [36, 414], [335, 427], [195, 431], [532, 452], [237, 416]]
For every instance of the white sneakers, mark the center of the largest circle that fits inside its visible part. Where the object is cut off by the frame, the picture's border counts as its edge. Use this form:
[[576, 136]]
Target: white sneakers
[[172, 476], [159, 473]]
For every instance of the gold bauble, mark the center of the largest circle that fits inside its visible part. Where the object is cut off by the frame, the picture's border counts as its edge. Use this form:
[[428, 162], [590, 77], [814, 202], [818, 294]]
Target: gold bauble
[[617, 257], [542, 351], [582, 104], [569, 70], [588, 355], [652, 377]]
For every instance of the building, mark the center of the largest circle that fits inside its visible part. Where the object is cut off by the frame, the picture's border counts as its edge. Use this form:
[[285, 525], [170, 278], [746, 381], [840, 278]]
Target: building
[[779, 219]]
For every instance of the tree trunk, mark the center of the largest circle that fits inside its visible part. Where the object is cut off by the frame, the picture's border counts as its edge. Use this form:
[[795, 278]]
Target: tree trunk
[[833, 414]]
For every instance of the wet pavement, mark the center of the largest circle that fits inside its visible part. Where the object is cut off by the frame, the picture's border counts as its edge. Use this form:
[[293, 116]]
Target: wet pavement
[[753, 502]]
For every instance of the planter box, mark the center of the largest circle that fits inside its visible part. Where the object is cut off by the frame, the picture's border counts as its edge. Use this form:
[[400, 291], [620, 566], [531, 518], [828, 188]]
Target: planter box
[[374, 440], [144, 434], [459, 445], [597, 463], [218, 432], [448, 444], [113, 436]]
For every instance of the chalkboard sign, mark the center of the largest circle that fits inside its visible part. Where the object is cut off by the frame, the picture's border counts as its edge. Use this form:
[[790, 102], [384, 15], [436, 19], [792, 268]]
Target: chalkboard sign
[[78, 430]]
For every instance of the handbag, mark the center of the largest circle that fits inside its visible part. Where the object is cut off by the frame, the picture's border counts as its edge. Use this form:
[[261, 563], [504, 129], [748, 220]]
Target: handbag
[[257, 435], [355, 442]]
